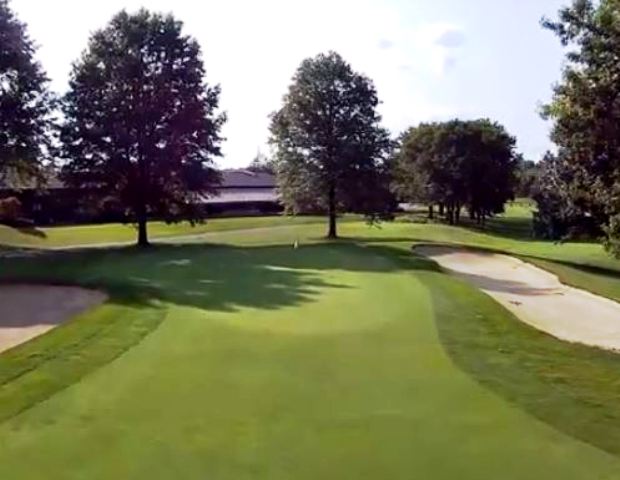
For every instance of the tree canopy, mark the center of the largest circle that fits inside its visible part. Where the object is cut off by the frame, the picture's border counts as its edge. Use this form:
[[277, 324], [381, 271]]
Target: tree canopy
[[457, 164], [261, 164], [586, 112], [25, 101], [330, 149], [141, 124], [528, 173]]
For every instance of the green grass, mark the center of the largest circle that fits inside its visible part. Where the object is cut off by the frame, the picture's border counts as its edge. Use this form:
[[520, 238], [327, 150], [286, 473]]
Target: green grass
[[119, 233], [39, 369], [571, 387], [278, 363], [244, 358]]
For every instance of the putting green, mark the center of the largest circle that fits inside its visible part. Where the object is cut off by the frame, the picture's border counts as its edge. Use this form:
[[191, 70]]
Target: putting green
[[274, 363]]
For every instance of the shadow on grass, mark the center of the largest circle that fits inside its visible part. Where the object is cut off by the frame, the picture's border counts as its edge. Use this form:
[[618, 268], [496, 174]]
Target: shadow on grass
[[214, 277], [514, 228], [591, 269], [572, 388], [32, 231]]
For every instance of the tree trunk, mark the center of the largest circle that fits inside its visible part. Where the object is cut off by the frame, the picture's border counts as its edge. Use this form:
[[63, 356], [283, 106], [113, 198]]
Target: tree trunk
[[457, 217], [431, 211], [442, 209], [143, 239], [451, 214], [332, 233]]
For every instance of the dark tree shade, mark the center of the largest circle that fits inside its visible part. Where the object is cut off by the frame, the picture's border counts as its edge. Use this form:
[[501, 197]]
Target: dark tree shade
[[528, 173], [25, 102], [142, 126], [330, 149], [559, 212]]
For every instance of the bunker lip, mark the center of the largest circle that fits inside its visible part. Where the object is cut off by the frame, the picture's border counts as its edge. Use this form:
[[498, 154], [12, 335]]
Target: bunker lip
[[534, 295], [30, 310]]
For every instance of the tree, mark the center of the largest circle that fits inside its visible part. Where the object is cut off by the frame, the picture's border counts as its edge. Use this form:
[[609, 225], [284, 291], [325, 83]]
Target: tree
[[528, 172], [330, 150], [261, 164], [560, 214], [25, 101], [141, 123], [458, 164], [586, 111], [411, 177]]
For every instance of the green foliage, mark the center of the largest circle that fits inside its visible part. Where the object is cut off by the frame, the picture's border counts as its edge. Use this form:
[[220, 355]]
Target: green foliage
[[561, 212], [141, 123], [586, 110], [528, 172], [25, 102], [262, 164], [331, 152], [458, 164]]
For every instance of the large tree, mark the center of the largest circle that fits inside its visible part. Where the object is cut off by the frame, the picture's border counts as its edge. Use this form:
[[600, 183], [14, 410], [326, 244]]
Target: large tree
[[330, 149], [457, 164], [586, 112], [25, 101], [142, 127]]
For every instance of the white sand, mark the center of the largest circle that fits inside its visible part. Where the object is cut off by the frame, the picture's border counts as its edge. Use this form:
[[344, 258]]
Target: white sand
[[27, 311], [535, 296]]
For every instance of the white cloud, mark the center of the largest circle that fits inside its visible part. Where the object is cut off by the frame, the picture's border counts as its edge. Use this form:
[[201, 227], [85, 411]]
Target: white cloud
[[451, 38], [385, 44], [438, 44]]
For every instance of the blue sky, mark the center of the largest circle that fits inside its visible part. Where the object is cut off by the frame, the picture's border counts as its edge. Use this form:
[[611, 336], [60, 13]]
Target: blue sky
[[430, 59]]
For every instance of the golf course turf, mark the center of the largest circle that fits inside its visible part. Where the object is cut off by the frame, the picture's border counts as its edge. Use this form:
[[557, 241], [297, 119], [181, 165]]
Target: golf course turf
[[244, 358]]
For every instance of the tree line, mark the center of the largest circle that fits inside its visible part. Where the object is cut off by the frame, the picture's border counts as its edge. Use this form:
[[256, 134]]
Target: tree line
[[140, 131], [458, 165], [579, 186]]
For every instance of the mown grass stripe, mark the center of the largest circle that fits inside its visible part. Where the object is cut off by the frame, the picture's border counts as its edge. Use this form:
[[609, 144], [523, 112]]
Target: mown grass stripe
[[34, 371]]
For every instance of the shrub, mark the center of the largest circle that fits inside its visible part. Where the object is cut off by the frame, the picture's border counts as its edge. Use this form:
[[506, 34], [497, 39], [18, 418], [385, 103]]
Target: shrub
[[10, 209]]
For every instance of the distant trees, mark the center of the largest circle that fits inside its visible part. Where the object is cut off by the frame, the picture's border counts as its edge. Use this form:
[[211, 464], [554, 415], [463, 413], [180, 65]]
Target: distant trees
[[330, 149], [528, 173], [261, 164], [25, 101], [586, 115], [456, 165], [141, 125]]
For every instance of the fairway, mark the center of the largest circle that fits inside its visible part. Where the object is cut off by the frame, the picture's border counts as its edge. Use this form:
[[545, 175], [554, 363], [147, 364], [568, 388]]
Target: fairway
[[335, 279], [342, 360]]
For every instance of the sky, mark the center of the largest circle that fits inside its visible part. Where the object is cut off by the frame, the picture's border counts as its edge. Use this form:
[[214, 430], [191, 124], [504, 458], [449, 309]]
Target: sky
[[430, 60]]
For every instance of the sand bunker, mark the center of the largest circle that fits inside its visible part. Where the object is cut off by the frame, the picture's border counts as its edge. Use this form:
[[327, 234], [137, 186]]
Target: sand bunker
[[27, 311], [535, 296]]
